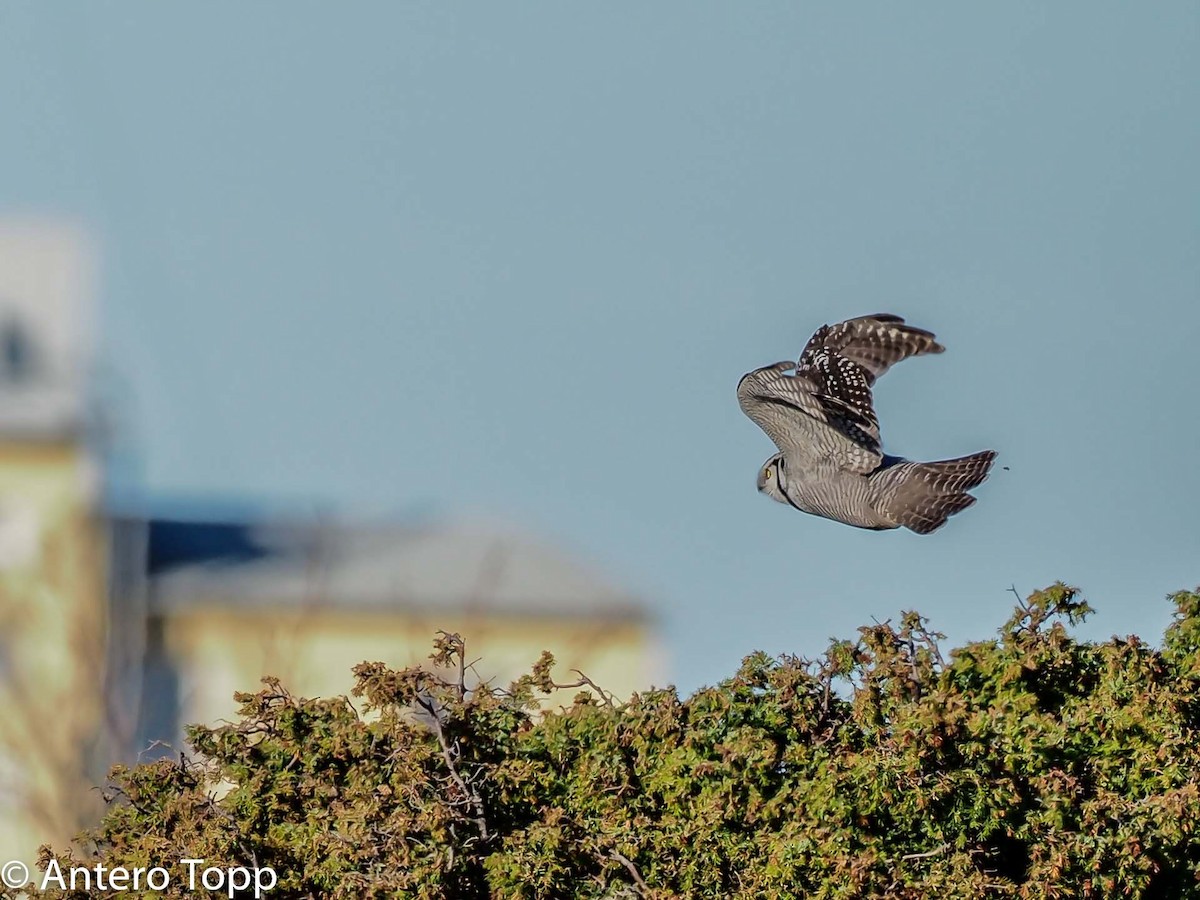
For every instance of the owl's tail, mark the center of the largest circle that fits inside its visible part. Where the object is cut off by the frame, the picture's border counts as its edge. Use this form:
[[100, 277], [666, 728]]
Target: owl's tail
[[923, 495]]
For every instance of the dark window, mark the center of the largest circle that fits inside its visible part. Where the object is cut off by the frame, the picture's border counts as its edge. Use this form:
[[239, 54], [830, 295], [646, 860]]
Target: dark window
[[18, 361]]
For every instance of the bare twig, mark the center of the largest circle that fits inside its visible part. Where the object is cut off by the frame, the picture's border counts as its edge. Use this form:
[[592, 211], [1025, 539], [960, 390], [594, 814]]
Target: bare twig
[[932, 644], [1020, 600], [936, 851], [584, 681], [632, 869], [471, 795], [154, 745]]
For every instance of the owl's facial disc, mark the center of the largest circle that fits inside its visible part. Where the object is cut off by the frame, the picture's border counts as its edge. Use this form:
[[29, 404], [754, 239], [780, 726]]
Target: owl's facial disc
[[768, 475]]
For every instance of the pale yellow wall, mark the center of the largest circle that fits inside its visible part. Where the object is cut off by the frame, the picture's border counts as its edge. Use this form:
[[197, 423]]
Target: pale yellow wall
[[220, 650], [51, 645]]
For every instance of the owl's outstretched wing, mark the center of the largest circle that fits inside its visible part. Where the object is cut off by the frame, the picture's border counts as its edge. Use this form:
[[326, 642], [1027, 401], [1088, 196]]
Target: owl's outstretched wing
[[875, 343], [805, 424], [825, 410], [842, 361]]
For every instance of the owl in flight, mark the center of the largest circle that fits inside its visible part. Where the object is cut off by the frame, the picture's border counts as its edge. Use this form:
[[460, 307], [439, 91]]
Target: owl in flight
[[830, 462]]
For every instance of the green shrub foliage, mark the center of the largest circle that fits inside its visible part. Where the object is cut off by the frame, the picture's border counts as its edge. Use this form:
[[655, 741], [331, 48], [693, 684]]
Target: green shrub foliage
[[1030, 765]]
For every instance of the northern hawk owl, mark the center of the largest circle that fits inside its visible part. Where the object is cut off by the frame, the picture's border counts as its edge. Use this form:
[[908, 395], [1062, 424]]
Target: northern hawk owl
[[830, 462]]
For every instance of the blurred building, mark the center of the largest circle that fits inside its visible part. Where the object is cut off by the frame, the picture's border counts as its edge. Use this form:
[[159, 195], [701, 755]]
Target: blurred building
[[117, 629], [230, 601], [53, 640]]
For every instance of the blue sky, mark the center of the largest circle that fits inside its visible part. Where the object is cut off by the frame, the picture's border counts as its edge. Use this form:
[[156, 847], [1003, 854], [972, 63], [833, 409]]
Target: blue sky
[[511, 259]]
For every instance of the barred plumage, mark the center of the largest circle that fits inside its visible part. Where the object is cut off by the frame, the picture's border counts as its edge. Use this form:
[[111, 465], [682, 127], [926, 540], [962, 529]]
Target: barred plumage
[[819, 412]]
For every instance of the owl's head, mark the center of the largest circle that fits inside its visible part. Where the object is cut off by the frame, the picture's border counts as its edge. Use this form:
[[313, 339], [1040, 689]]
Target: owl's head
[[772, 478]]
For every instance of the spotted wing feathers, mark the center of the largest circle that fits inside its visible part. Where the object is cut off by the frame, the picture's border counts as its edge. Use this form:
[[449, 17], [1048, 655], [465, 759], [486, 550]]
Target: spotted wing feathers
[[872, 343]]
